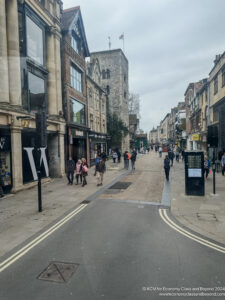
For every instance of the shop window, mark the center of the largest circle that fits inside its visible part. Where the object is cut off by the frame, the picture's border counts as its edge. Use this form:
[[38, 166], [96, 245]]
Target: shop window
[[76, 78], [35, 38], [36, 93], [77, 110]]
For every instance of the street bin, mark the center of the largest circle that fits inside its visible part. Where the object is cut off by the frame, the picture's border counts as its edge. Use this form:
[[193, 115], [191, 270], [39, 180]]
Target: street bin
[[194, 173]]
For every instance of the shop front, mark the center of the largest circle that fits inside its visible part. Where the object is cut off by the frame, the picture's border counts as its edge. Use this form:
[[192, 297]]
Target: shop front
[[98, 145], [78, 144], [5, 160]]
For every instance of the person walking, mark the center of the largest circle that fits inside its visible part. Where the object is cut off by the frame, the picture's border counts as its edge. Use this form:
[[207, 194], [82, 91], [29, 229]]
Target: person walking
[[223, 163], [133, 160], [171, 156], [119, 156], [166, 164], [114, 156], [177, 155], [70, 170], [84, 171], [97, 159], [160, 151], [78, 172], [206, 166], [126, 160], [100, 170]]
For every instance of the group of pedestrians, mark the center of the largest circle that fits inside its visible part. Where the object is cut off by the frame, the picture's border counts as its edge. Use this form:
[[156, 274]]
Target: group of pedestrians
[[127, 157], [80, 169]]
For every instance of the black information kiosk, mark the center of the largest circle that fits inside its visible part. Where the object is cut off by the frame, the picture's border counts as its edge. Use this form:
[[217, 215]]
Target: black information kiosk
[[194, 173]]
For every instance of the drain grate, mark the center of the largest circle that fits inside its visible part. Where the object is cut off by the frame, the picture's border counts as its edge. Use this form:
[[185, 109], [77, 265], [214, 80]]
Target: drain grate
[[121, 185], [59, 272], [206, 216]]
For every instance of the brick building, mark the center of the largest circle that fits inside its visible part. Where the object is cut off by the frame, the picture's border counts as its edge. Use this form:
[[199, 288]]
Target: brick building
[[74, 51]]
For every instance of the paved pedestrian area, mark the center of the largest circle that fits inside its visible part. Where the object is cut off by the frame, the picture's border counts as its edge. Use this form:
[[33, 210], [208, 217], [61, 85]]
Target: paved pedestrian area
[[203, 214]]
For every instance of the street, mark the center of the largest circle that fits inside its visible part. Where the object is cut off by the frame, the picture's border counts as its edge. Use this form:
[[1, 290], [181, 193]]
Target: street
[[121, 248]]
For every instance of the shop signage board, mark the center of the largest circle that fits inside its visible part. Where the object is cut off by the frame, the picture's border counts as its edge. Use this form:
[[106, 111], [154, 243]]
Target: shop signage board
[[194, 173], [195, 137]]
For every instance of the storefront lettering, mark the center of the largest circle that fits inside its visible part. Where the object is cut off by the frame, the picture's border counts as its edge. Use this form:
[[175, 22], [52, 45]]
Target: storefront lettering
[[43, 160], [2, 143]]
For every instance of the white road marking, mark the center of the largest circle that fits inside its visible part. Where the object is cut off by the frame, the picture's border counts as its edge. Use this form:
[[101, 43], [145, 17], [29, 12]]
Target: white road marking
[[6, 263], [205, 242]]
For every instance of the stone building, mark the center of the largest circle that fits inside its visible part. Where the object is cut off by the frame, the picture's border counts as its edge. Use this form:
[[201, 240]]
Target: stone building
[[74, 51], [96, 110], [30, 72], [217, 98], [193, 114], [153, 136], [133, 129], [114, 66]]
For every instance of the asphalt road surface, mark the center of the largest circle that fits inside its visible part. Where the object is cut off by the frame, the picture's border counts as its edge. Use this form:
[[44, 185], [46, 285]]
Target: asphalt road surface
[[123, 250], [118, 250]]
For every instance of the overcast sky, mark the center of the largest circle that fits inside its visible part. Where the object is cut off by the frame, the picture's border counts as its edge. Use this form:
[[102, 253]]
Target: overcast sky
[[169, 43]]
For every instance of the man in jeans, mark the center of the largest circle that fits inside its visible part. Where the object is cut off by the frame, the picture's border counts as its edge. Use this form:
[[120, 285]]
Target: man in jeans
[[133, 159], [223, 163], [70, 170], [100, 170]]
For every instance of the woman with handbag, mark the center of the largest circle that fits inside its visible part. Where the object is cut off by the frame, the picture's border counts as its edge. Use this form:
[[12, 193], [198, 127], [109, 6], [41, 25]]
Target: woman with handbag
[[84, 171]]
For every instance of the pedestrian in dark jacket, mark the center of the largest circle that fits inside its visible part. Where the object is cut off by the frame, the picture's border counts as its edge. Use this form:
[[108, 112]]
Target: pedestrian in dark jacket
[[100, 170], [133, 160], [171, 156], [84, 171], [119, 156], [166, 164], [70, 170], [97, 159]]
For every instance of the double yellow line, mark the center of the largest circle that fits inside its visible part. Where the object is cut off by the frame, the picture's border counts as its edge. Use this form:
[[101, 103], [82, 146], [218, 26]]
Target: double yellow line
[[163, 214], [14, 257]]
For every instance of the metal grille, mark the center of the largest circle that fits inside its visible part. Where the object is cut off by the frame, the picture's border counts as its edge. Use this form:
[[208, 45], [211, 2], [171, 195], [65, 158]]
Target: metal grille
[[121, 185]]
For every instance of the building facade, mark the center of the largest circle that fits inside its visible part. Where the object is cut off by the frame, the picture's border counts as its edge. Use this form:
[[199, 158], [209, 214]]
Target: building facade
[[74, 51], [217, 98], [114, 67], [97, 122], [30, 72]]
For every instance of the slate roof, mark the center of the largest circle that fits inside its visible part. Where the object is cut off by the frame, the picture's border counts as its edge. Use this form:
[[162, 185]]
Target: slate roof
[[68, 16]]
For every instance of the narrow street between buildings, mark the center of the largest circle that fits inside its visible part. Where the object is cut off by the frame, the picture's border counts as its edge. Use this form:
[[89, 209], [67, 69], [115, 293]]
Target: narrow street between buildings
[[120, 243]]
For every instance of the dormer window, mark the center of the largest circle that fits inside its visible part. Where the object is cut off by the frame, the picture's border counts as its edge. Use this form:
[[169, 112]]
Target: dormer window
[[75, 44]]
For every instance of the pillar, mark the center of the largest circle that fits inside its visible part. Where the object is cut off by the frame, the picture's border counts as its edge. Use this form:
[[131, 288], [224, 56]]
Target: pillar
[[4, 82], [58, 73], [13, 53], [51, 81], [16, 149]]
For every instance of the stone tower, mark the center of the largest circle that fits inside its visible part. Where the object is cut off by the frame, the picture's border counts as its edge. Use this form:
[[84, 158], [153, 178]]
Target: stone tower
[[114, 66]]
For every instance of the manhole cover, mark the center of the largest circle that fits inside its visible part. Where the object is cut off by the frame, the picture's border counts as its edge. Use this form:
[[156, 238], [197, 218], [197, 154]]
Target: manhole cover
[[58, 272], [206, 216], [120, 185]]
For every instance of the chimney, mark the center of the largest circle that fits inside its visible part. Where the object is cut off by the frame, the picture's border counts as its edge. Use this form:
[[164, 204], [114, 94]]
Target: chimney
[[217, 59]]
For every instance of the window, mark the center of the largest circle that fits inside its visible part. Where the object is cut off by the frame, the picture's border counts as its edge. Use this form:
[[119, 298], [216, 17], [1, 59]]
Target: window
[[35, 45], [103, 106], [75, 79], [90, 97], [75, 44], [36, 93], [91, 122], [108, 74], [103, 126], [108, 89], [77, 111], [103, 74], [125, 95], [215, 85], [223, 77]]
